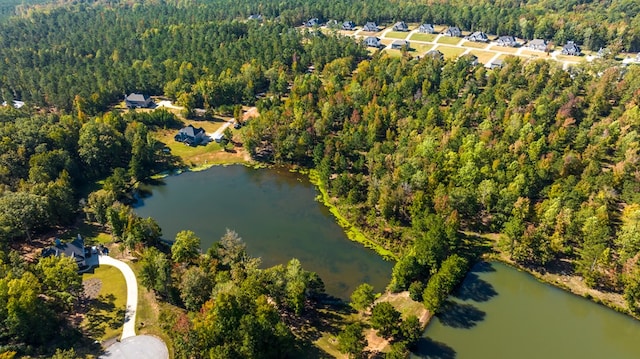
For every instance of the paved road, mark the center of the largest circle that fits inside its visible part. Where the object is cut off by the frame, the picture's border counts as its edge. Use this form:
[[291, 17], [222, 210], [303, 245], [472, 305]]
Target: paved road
[[138, 347], [129, 327]]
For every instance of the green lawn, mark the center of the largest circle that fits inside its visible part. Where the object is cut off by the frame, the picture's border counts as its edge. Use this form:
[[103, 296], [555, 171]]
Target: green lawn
[[448, 40], [450, 51], [397, 34], [475, 45], [511, 50], [483, 56], [423, 37], [105, 315]]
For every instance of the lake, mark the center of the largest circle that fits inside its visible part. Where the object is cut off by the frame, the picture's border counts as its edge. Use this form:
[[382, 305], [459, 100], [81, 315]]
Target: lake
[[500, 312], [277, 216]]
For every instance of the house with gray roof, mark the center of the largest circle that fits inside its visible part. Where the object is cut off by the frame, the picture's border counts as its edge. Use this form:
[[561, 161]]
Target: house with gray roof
[[373, 41], [74, 249], [312, 22], [256, 17], [537, 45], [400, 26], [426, 29], [348, 25], [400, 44], [370, 27], [137, 100], [452, 31], [570, 48], [477, 36], [190, 135], [473, 59], [435, 54], [507, 41]]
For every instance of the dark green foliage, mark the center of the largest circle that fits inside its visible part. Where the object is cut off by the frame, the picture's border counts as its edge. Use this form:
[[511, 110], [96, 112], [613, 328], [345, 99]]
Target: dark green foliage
[[415, 290], [444, 281], [351, 340], [362, 297], [385, 319]]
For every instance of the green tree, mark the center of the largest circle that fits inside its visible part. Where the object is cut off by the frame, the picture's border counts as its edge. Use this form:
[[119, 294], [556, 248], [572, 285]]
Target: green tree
[[351, 341], [21, 213], [410, 330], [362, 297], [186, 247], [443, 282], [385, 319], [155, 271], [195, 288], [60, 280]]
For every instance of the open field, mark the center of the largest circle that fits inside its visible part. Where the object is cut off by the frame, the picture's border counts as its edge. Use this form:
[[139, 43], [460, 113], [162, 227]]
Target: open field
[[511, 50], [447, 40], [397, 34], [483, 56], [419, 49], [450, 51], [423, 37], [475, 45], [571, 58]]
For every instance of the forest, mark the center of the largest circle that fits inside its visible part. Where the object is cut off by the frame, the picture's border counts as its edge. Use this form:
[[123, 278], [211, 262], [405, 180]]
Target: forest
[[425, 156]]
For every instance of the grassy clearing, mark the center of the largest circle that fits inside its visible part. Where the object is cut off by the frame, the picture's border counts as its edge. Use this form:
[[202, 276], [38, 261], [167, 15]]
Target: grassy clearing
[[571, 58], [394, 53], [483, 56], [475, 45], [450, 52], [511, 50], [419, 49], [439, 28], [147, 315], [533, 53], [423, 37], [397, 34], [352, 232], [105, 316], [93, 234], [331, 320], [448, 40]]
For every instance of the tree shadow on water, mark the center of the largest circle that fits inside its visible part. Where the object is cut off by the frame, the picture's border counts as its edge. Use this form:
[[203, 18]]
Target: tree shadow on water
[[461, 315], [482, 267], [430, 349], [475, 289]]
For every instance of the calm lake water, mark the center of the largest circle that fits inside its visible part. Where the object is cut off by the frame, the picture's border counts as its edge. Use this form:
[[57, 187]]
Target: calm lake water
[[500, 312], [275, 213]]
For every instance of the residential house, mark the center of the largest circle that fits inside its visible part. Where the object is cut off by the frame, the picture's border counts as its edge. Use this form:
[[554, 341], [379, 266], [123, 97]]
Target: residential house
[[349, 25], [190, 135], [15, 103], [570, 48], [399, 44], [473, 59], [537, 45], [603, 52], [312, 22], [400, 26], [370, 27], [75, 250], [452, 31], [426, 29], [496, 64], [477, 36], [137, 100], [256, 17], [435, 54], [372, 41], [507, 41]]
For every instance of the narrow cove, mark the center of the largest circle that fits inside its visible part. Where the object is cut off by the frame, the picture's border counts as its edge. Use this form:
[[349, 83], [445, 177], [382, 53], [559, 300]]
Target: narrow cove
[[501, 312]]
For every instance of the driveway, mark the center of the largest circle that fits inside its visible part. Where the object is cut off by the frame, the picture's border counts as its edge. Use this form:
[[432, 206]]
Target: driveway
[[129, 327], [138, 347]]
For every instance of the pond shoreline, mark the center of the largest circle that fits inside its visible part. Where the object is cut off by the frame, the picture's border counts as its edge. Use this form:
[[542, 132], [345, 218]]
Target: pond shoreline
[[566, 282]]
